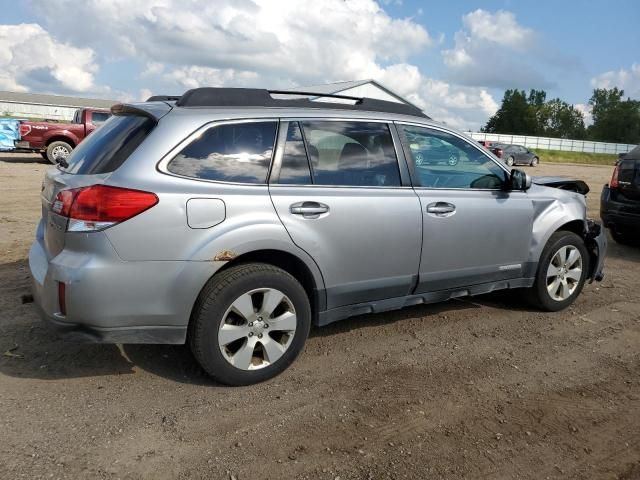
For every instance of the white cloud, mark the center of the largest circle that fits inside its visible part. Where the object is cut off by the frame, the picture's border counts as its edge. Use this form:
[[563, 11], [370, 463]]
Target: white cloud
[[489, 50], [30, 59], [500, 28], [627, 80], [182, 44]]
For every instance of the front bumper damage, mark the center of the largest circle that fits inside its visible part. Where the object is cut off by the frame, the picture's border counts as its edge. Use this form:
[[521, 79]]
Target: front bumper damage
[[596, 242]]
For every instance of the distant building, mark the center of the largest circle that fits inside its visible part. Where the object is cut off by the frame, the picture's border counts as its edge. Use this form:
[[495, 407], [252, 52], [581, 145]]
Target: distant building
[[357, 88], [60, 107], [50, 107]]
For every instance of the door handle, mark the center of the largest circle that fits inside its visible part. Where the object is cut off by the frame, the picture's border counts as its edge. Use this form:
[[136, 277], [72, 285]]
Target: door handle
[[441, 209], [309, 209]]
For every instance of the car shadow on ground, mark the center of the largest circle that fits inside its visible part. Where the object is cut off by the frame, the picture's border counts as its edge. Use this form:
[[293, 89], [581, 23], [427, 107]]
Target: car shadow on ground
[[23, 158], [623, 252], [30, 349]]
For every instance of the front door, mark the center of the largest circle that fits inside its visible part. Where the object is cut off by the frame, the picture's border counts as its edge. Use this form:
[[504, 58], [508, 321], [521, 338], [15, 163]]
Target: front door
[[474, 231], [337, 188]]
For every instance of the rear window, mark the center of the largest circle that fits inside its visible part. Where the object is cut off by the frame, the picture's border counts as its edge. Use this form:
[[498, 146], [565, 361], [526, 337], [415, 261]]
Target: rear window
[[109, 146], [99, 117]]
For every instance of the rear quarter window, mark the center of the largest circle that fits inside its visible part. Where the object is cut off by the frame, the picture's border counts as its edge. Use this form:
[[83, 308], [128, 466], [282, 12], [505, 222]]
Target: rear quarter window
[[108, 147], [233, 152]]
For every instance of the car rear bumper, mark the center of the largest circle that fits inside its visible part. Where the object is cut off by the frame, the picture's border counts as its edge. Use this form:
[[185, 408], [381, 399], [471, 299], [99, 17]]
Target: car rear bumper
[[111, 301], [618, 214]]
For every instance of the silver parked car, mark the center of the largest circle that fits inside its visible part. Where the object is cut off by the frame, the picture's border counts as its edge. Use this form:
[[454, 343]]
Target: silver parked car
[[234, 219]]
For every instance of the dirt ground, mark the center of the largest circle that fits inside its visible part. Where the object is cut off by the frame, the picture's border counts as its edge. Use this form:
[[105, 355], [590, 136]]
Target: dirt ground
[[474, 388]]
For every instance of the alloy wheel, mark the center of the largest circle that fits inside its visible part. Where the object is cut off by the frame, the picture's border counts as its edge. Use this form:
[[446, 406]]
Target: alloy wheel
[[257, 329], [60, 151], [564, 273]]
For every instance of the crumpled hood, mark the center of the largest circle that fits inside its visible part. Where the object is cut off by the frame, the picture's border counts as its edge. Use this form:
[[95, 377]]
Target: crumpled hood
[[563, 183]]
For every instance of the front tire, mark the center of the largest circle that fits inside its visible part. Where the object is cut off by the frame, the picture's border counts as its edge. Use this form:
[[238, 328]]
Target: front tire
[[249, 324], [534, 161], [562, 271], [510, 161], [58, 149]]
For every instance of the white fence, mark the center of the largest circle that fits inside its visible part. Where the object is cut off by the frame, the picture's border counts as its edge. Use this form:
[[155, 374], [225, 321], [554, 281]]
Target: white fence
[[547, 143]]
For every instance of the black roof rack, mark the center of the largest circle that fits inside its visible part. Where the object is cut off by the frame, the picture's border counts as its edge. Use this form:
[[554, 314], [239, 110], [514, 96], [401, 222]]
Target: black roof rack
[[163, 98], [255, 97]]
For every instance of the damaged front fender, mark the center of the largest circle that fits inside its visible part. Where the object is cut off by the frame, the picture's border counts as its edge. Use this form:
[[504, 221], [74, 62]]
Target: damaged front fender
[[596, 242]]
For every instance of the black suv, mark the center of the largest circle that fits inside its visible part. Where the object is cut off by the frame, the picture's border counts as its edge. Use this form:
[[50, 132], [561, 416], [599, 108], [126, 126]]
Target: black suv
[[620, 201]]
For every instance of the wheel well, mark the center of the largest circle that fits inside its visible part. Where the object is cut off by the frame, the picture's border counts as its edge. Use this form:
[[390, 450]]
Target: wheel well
[[287, 262], [575, 226], [61, 139]]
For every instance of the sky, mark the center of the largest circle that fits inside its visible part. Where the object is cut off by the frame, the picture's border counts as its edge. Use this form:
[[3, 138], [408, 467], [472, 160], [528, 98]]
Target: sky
[[453, 58]]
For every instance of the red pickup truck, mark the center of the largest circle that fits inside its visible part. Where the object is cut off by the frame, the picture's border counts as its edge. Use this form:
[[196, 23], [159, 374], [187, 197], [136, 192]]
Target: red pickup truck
[[55, 140]]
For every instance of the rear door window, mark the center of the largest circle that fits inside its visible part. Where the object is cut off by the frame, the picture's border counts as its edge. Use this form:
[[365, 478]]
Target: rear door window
[[109, 146], [351, 154], [233, 152]]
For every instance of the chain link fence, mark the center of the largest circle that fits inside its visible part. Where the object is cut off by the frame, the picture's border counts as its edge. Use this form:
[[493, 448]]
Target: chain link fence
[[547, 143]]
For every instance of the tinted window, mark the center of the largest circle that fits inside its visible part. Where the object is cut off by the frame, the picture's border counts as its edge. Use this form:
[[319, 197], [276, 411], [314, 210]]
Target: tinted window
[[442, 160], [99, 117], [109, 146], [351, 154], [236, 152], [295, 166]]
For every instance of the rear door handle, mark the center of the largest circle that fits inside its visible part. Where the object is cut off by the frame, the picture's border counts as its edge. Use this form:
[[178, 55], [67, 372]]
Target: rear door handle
[[441, 209], [309, 209]]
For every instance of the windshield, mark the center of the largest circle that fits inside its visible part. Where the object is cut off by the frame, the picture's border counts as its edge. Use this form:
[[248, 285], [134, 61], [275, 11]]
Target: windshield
[[109, 146]]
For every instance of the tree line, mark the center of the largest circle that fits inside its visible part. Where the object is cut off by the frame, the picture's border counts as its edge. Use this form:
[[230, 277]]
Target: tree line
[[615, 119]]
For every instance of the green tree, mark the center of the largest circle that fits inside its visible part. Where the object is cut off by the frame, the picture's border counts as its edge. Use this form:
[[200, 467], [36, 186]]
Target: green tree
[[558, 119], [515, 116], [614, 119]]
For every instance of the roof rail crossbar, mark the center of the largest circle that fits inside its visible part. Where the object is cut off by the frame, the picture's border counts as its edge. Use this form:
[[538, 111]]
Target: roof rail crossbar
[[255, 97], [163, 98], [315, 94]]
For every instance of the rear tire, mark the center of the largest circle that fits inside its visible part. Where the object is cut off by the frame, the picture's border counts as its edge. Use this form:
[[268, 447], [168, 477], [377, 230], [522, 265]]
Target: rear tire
[[562, 271], [233, 308], [58, 149], [623, 236]]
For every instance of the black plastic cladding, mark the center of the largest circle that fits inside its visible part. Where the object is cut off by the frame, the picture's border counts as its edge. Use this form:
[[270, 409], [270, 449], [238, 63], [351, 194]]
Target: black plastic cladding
[[255, 97]]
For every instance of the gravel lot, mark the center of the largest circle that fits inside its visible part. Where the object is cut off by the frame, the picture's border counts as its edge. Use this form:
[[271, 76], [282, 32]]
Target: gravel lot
[[473, 388]]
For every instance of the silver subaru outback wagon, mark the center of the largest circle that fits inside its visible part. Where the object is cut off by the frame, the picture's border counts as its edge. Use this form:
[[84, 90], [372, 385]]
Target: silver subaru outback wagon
[[233, 219]]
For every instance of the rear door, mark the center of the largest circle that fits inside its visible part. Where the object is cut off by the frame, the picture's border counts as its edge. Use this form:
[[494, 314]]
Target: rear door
[[338, 190]]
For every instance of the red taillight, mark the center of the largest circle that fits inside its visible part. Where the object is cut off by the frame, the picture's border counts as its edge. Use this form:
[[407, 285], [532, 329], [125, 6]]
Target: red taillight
[[614, 178], [100, 206], [62, 298], [24, 129]]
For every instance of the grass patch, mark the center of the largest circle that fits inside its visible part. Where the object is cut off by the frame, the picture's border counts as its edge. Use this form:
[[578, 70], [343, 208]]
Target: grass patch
[[558, 156]]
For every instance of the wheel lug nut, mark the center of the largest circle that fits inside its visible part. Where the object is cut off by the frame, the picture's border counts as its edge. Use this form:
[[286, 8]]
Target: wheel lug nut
[[266, 325], [259, 319], [251, 324], [251, 334], [259, 335]]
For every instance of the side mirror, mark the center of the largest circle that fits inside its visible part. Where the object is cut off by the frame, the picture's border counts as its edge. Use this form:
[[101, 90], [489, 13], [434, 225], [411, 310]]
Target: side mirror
[[519, 180]]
